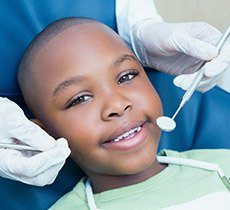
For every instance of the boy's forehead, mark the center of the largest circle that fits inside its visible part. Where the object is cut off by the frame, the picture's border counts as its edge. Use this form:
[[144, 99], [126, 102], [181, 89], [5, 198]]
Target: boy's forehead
[[77, 49], [86, 35], [89, 38]]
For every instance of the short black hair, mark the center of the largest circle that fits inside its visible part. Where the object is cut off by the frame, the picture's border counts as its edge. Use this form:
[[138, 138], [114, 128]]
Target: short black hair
[[25, 71]]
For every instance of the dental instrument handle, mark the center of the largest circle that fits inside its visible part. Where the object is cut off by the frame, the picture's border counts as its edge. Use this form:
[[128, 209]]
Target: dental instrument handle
[[192, 87], [17, 147], [200, 74], [223, 39], [177, 111]]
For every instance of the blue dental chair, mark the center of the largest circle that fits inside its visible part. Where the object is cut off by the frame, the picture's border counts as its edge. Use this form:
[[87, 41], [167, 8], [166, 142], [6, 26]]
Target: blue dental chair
[[202, 123]]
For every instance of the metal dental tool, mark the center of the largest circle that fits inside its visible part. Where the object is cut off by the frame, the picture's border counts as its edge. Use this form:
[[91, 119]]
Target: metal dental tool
[[17, 147]]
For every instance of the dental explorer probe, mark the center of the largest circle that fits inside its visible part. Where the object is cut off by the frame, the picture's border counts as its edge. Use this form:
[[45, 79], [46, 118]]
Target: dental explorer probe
[[17, 147], [168, 124]]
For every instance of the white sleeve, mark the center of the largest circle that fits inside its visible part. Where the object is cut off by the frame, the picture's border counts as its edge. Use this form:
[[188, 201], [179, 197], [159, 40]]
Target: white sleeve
[[129, 12]]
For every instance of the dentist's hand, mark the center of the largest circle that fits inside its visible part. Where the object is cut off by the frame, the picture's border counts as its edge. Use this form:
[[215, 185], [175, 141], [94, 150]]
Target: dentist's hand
[[217, 72], [178, 48], [35, 168]]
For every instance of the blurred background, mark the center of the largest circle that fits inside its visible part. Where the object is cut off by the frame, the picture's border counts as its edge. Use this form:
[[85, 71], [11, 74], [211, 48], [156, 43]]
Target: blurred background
[[215, 12]]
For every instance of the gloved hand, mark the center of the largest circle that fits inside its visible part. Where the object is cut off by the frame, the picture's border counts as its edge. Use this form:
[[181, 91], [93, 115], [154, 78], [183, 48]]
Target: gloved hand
[[178, 48], [31, 167], [217, 73]]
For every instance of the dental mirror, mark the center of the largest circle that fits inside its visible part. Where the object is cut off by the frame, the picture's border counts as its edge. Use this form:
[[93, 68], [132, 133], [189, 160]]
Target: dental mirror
[[166, 123]]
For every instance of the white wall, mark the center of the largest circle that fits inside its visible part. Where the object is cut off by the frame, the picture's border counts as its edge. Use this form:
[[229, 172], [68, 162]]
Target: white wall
[[215, 12]]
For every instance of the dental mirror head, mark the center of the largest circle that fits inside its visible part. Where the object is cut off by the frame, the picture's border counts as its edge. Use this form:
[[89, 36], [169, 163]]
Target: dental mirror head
[[166, 123]]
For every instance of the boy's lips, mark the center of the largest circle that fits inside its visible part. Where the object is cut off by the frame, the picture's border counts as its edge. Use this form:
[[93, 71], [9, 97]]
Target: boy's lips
[[127, 137]]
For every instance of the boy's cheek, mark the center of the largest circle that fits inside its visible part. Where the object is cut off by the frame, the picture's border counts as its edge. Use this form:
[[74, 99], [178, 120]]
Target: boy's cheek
[[149, 101], [154, 100], [55, 127]]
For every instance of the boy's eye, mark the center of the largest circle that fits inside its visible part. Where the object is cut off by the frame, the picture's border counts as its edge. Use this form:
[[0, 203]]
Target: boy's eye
[[127, 76], [79, 100]]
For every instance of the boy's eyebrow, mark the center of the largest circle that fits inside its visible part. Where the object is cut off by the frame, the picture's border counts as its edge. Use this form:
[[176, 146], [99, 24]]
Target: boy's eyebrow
[[70, 81], [122, 58], [80, 78]]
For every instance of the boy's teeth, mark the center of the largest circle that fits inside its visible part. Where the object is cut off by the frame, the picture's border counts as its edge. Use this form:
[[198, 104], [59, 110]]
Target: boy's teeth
[[118, 138], [126, 134]]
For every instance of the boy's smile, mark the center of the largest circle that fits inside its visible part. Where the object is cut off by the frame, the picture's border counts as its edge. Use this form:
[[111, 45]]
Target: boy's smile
[[129, 136], [93, 92], [126, 137]]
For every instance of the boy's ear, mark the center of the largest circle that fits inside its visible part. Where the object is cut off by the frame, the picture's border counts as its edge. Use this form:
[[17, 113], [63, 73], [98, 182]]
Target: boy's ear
[[39, 123]]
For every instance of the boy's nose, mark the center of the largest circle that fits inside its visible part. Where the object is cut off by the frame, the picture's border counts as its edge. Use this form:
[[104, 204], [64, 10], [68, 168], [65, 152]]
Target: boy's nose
[[116, 106]]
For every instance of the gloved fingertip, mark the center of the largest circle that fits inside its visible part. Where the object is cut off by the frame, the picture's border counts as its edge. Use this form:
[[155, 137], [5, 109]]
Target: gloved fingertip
[[213, 69], [63, 144], [201, 50], [47, 143], [177, 80], [183, 81], [209, 52]]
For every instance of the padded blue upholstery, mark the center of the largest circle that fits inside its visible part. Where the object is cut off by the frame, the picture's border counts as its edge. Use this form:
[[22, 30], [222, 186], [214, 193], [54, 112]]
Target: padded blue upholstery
[[203, 123]]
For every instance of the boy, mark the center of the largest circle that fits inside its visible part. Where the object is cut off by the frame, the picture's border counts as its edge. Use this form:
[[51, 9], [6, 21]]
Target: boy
[[83, 83]]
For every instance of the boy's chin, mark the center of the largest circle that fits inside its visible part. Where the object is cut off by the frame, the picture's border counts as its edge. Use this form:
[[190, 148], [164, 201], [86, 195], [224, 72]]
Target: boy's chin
[[137, 169]]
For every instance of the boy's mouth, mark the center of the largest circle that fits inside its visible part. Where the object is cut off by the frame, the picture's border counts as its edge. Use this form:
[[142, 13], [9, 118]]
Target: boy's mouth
[[128, 137], [128, 134]]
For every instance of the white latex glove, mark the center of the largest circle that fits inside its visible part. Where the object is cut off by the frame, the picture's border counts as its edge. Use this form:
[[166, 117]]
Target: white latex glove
[[178, 48], [217, 73], [174, 48], [35, 168]]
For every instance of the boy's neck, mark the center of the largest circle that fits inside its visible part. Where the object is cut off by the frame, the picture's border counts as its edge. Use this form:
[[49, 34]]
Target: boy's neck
[[102, 183]]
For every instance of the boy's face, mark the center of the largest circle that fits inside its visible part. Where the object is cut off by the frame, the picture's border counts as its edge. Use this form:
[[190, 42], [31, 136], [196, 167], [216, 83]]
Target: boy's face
[[91, 90]]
